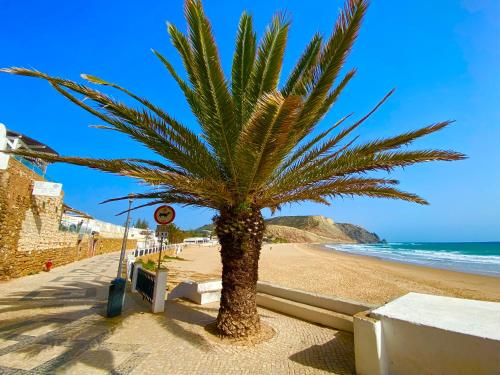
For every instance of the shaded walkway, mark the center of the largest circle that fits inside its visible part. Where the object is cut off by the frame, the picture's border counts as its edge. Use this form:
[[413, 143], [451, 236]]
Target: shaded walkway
[[53, 323]]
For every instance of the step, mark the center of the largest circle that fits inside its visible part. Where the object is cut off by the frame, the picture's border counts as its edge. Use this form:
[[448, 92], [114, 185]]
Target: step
[[306, 312], [328, 302]]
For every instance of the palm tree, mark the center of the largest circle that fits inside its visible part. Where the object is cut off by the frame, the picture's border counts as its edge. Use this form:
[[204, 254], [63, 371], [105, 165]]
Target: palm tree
[[258, 147]]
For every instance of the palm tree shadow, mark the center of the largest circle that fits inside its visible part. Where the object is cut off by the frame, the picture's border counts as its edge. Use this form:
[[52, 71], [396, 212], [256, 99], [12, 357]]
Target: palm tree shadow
[[70, 332], [336, 355], [75, 313], [182, 320], [192, 322]]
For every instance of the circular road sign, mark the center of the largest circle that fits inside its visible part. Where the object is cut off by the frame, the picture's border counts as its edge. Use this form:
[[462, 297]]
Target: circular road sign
[[164, 215]]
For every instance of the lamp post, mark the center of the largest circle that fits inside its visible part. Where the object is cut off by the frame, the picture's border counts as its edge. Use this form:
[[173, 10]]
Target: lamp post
[[125, 237], [116, 295]]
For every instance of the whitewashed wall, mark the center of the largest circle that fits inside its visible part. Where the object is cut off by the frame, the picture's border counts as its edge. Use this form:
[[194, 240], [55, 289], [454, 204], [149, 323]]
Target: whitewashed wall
[[420, 334]]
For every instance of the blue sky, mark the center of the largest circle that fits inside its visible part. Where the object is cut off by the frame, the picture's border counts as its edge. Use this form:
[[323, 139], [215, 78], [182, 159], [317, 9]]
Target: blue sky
[[443, 57]]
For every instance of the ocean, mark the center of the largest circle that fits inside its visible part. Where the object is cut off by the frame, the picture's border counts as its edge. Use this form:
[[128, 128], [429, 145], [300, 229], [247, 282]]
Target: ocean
[[473, 257]]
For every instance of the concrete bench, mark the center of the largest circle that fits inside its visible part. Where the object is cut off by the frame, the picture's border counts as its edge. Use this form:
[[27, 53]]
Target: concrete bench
[[425, 334], [198, 292]]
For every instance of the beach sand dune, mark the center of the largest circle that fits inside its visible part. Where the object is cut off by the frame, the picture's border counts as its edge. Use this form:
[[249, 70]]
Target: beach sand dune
[[367, 279]]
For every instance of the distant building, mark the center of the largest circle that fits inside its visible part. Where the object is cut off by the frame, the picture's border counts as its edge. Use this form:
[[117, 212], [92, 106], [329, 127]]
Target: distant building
[[11, 140], [35, 224]]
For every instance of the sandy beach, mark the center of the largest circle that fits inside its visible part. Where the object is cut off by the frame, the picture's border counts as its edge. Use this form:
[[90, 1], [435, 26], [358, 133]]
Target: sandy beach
[[367, 279]]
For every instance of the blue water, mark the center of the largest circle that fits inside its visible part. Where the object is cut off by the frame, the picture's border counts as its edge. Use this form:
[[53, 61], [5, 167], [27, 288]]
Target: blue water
[[473, 257]]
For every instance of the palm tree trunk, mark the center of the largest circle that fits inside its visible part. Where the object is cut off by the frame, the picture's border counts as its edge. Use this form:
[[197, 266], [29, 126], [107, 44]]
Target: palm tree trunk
[[240, 234]]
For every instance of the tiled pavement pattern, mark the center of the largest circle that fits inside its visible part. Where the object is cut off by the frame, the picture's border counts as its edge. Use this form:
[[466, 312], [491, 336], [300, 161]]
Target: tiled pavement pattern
[[52, 323]]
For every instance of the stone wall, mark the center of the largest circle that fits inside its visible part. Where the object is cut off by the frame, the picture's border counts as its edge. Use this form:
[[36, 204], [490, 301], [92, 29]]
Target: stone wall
[[29, 228], [40, 228], [30, 262]]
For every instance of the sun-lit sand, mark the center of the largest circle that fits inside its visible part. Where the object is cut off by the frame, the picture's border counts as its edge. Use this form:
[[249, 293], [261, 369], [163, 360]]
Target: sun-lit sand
[[367, 279]]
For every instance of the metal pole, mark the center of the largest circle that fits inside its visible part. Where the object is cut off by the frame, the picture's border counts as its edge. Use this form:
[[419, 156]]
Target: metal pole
[[161, 248], [125, 236]]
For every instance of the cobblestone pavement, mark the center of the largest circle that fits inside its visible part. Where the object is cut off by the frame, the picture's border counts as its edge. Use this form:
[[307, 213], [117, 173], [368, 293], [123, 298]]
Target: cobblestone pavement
[[53, 323]]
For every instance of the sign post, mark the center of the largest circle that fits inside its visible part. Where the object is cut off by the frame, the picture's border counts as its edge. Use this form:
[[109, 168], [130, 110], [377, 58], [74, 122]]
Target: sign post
[[161, 232], [163, 215]]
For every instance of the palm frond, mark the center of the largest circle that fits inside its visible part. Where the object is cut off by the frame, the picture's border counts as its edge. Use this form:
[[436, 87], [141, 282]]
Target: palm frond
[[190, 140], [400, 140], [342, 187], [162, 197], [351, 162], [147, 171], [190, 94], [307, 158], [148, 204], [212, 88], [243, 62], [181, 43], [333, 96], [264, 140], [258, 144], [267, 68], [296, 155], [315, 156], [163, 135], [331, 61], [296, 83]]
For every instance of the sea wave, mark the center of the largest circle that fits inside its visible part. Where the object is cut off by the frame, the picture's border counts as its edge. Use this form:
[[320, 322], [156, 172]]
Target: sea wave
[[441, 258]]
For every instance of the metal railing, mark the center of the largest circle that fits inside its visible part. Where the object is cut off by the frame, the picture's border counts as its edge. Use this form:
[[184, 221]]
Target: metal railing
[[150, 250], [145, 284], [155, 249]]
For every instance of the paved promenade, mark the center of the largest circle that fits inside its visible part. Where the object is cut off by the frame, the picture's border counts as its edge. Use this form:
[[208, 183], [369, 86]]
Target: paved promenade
[[53, 323]]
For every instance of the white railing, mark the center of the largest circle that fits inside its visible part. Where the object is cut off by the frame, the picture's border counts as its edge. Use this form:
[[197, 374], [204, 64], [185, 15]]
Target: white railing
[[131, 257], [156, 249]]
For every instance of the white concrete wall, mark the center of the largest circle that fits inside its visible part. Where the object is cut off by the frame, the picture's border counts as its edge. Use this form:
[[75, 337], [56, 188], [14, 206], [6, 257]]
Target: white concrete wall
[[368, 350], [413, 349], [4, 158], [420, 334]]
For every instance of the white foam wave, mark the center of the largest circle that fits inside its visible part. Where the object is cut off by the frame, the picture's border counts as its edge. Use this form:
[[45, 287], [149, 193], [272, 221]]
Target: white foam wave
[[448, 259]]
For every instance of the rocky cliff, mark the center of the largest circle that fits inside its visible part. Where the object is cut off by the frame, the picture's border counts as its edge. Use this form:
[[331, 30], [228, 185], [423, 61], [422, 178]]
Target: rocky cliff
[[317, 229], [309, 229]]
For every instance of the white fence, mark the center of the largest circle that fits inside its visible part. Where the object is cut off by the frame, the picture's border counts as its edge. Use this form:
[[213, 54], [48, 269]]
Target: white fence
[[156, 249]]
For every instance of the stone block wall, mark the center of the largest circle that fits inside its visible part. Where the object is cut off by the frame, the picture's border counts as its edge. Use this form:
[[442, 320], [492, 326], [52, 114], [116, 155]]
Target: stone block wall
[[29, 228], [40, 228], [30, 262]]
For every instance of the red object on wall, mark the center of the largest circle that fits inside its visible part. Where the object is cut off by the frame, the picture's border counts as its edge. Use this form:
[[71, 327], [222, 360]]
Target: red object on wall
[[48, 265]]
